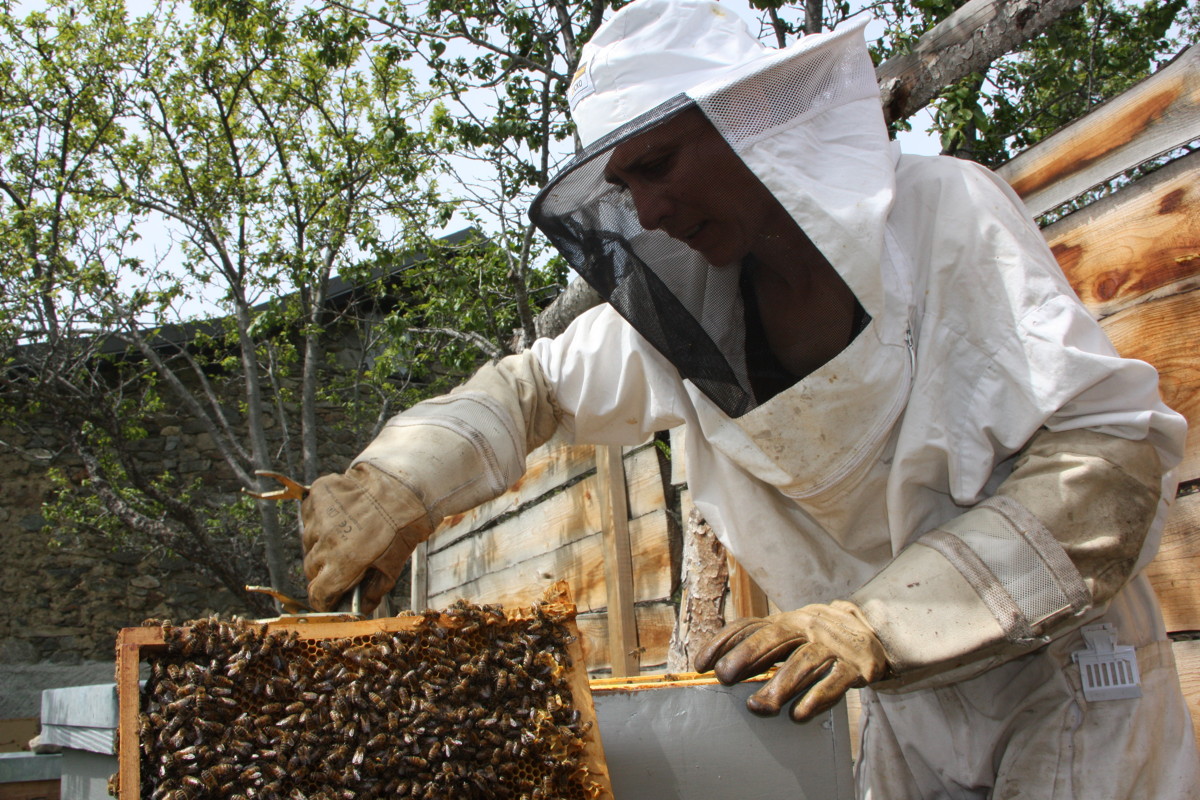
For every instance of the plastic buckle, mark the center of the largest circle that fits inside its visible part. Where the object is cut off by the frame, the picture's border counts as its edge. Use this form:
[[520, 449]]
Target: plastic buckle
[[1109, 671]]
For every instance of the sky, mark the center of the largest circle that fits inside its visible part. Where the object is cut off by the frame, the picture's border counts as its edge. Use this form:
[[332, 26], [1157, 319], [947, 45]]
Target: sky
[[155, 245]]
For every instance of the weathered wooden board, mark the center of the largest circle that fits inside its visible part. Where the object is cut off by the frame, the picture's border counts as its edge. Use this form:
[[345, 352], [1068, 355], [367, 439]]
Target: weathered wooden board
[[644, 479], [655, 621], [581, 564], [1164, 333], [1159, 114], [1175, 571], [1187, 661], [562, 518], [746, 599], [1140, 243], [548, 467]]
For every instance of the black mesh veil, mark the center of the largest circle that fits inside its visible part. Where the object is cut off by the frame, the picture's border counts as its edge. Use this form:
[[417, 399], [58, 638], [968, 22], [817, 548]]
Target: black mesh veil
[[687, 309]]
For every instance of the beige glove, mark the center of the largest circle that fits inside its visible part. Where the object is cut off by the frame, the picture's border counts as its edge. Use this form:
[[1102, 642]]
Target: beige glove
[[828, 650], [440, 457], [359, 527]]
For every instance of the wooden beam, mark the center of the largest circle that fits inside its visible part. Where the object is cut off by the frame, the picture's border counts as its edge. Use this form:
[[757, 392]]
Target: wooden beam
[[562, 519], [1138, 244], [1162, 332], [1187, 662], [618, 561], [1157, 115], [1175, 571], [967, 41]]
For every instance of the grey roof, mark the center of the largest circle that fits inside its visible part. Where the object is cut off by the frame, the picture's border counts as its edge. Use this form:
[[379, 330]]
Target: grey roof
[[21, 685]]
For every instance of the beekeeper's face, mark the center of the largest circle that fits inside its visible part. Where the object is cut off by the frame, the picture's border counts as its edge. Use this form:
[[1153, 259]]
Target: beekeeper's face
[[685, 180]]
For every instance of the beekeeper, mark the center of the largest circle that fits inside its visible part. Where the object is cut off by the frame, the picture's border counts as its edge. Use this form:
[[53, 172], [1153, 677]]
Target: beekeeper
[[900, 419]]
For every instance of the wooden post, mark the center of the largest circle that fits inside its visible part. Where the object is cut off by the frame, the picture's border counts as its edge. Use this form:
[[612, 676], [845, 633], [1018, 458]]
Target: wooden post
[[618, 562], [419, 578]]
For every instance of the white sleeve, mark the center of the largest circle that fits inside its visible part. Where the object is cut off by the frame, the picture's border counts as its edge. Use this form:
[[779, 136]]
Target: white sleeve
[[610, 384]]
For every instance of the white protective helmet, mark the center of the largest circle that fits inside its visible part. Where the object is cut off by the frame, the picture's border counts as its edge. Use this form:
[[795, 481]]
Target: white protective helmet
[[655, 59]]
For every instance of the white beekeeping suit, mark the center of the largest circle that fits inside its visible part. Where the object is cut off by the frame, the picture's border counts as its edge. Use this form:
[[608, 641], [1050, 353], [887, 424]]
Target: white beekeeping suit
[[974, 478]]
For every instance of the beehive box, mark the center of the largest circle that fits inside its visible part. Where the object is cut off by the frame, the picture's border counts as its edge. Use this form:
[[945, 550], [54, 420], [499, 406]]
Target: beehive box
[[470, 702], [688, 736]]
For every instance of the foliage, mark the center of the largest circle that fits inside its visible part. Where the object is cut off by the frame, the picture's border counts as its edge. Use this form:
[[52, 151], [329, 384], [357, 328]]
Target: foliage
[[273, 153], [1089, 55]]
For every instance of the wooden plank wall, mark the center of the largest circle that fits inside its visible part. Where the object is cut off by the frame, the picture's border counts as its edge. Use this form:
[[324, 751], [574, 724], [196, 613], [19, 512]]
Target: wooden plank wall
[[1134, 259], [549, 527]]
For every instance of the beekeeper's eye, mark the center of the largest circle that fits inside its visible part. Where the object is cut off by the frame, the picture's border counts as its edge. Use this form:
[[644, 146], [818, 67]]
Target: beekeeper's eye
[[614, 181], [654, 168]]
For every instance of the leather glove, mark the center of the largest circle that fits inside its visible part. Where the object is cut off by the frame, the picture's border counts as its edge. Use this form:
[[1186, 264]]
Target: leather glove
[[828, 650], [359, 527]]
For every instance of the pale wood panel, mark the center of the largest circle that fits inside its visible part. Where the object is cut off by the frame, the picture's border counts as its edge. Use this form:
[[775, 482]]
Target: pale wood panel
[[581, 564], [549, 466], [678, 456], [655, 621], [643, 477], [1163, 332], [1187, 661], [746, 598], [418, 590], [1175, 571], [562, 518], [1140, 243], [1157, 115]]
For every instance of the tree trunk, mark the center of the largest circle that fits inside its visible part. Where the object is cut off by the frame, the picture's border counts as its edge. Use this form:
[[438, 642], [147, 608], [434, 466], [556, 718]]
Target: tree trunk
[[705, 576], [577, 298], [967, 41]]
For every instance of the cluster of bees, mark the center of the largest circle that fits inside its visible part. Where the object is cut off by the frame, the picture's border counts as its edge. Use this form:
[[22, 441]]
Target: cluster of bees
[[468, 703]]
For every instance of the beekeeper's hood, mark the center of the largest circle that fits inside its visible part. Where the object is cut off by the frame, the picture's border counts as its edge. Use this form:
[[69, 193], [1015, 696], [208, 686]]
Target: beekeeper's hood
[[805, 119]]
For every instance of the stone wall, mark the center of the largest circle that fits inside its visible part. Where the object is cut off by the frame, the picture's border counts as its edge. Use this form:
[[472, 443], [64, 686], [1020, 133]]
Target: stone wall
[[66, 600], [66, 597]]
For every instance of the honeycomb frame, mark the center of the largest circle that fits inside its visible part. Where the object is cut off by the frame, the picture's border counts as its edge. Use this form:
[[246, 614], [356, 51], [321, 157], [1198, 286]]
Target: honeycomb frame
[[533, 734]]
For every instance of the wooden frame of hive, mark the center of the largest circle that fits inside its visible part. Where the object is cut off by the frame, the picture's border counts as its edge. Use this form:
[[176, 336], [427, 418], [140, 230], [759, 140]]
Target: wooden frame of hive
[[135, 643]]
